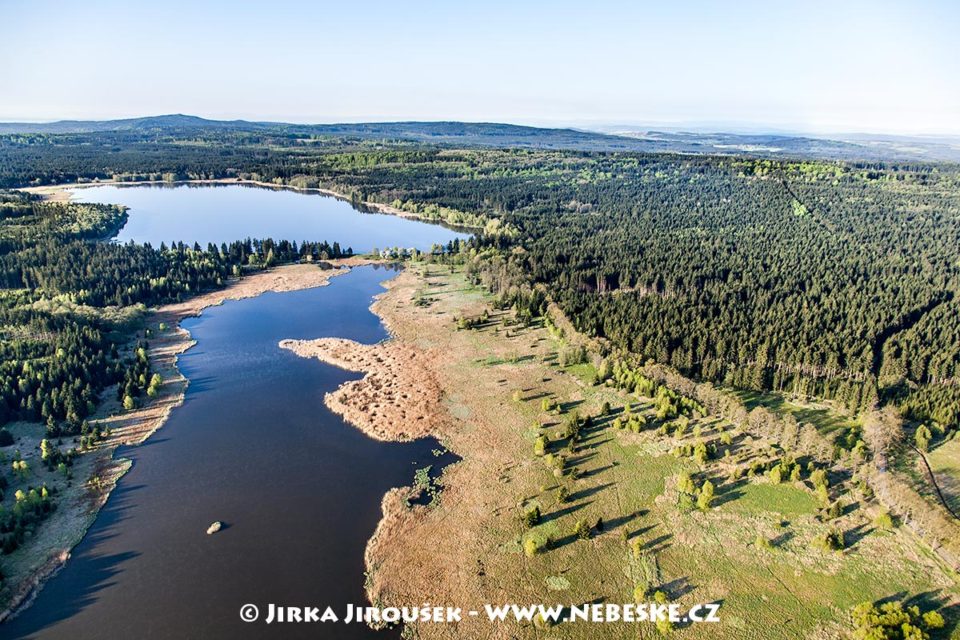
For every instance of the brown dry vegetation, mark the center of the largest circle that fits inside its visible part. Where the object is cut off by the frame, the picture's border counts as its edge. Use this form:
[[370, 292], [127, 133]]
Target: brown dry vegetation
[[398, 399], [465, 550]]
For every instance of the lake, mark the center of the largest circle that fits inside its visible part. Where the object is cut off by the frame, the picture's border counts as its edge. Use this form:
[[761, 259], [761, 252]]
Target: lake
[[224, 213], [254, 446]]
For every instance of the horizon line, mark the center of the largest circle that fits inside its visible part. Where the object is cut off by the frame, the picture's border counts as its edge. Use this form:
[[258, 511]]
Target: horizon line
[[608, 126]]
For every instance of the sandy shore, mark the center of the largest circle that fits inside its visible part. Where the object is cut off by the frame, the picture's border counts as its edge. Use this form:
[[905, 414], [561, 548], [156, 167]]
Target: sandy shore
[[51, 548]]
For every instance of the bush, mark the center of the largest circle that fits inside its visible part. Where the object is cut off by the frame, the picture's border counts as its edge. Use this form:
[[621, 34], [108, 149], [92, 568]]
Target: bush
[[706, 496], [893, 621], [540, 621], [833, 511], [556, 462], [922, 438], [685, 483], [582, 530], [540, 446], [933, 620], [700, 454], [831, 540], [6, 438], [530, 516], [535, 543], [823, 496], [640, 593], [664, 626], [775, 475], [818, 478], [884, 521]]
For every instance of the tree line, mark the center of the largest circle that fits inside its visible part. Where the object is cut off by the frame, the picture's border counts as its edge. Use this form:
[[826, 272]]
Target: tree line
[[825, 280]]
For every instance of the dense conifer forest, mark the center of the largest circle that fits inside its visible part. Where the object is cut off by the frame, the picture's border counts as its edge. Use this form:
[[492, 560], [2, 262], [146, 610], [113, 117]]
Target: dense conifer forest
[[824, 280], [69, 300]]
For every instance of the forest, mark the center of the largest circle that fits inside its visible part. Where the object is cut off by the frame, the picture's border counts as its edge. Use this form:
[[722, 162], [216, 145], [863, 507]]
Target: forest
[[69, 301], [822, 280]]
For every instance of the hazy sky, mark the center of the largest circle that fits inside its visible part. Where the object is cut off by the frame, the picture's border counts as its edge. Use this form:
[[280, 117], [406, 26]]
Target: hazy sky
[[845, 65]]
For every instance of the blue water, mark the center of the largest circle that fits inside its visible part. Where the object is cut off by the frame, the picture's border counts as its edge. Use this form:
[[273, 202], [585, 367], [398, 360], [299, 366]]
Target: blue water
[[254, 446], [223, 213]]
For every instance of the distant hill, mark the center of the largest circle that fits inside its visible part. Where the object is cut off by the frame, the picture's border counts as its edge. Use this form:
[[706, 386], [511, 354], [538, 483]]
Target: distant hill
[[150, 123], [859, 146], [853, 147]]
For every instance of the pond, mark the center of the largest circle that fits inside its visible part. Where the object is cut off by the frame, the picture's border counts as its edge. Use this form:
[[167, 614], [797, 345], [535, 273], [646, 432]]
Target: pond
[[220, 213]]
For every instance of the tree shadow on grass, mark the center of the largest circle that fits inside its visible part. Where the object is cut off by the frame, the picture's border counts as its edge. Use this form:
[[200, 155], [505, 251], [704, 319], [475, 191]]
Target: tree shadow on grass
[[936, 599], [677, 588], [586, 493], [729, 492], [595, 472], [602, 422], [580, 459], [852, 536], [559, 543], [851, 508], [658, 544], [556, 515], [594, 445], [620, 521], [639, 532], [783, 539]]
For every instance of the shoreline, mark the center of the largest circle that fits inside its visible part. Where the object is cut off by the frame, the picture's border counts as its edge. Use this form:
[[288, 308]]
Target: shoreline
[[402, 396], [61, 193], [486, 412], [490, 399], [136, 427], [397, 400]]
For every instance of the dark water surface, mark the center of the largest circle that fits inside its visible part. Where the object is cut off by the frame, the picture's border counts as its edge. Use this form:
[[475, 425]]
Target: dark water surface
[[255, 447], [223, 213]]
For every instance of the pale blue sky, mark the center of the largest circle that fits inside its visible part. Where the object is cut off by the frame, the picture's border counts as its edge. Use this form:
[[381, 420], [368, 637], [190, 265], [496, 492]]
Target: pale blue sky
[[838, 65]]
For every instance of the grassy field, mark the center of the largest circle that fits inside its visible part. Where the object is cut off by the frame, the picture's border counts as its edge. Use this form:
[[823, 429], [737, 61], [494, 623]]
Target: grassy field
[[751, 552], [945, 462], [822, 416]]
